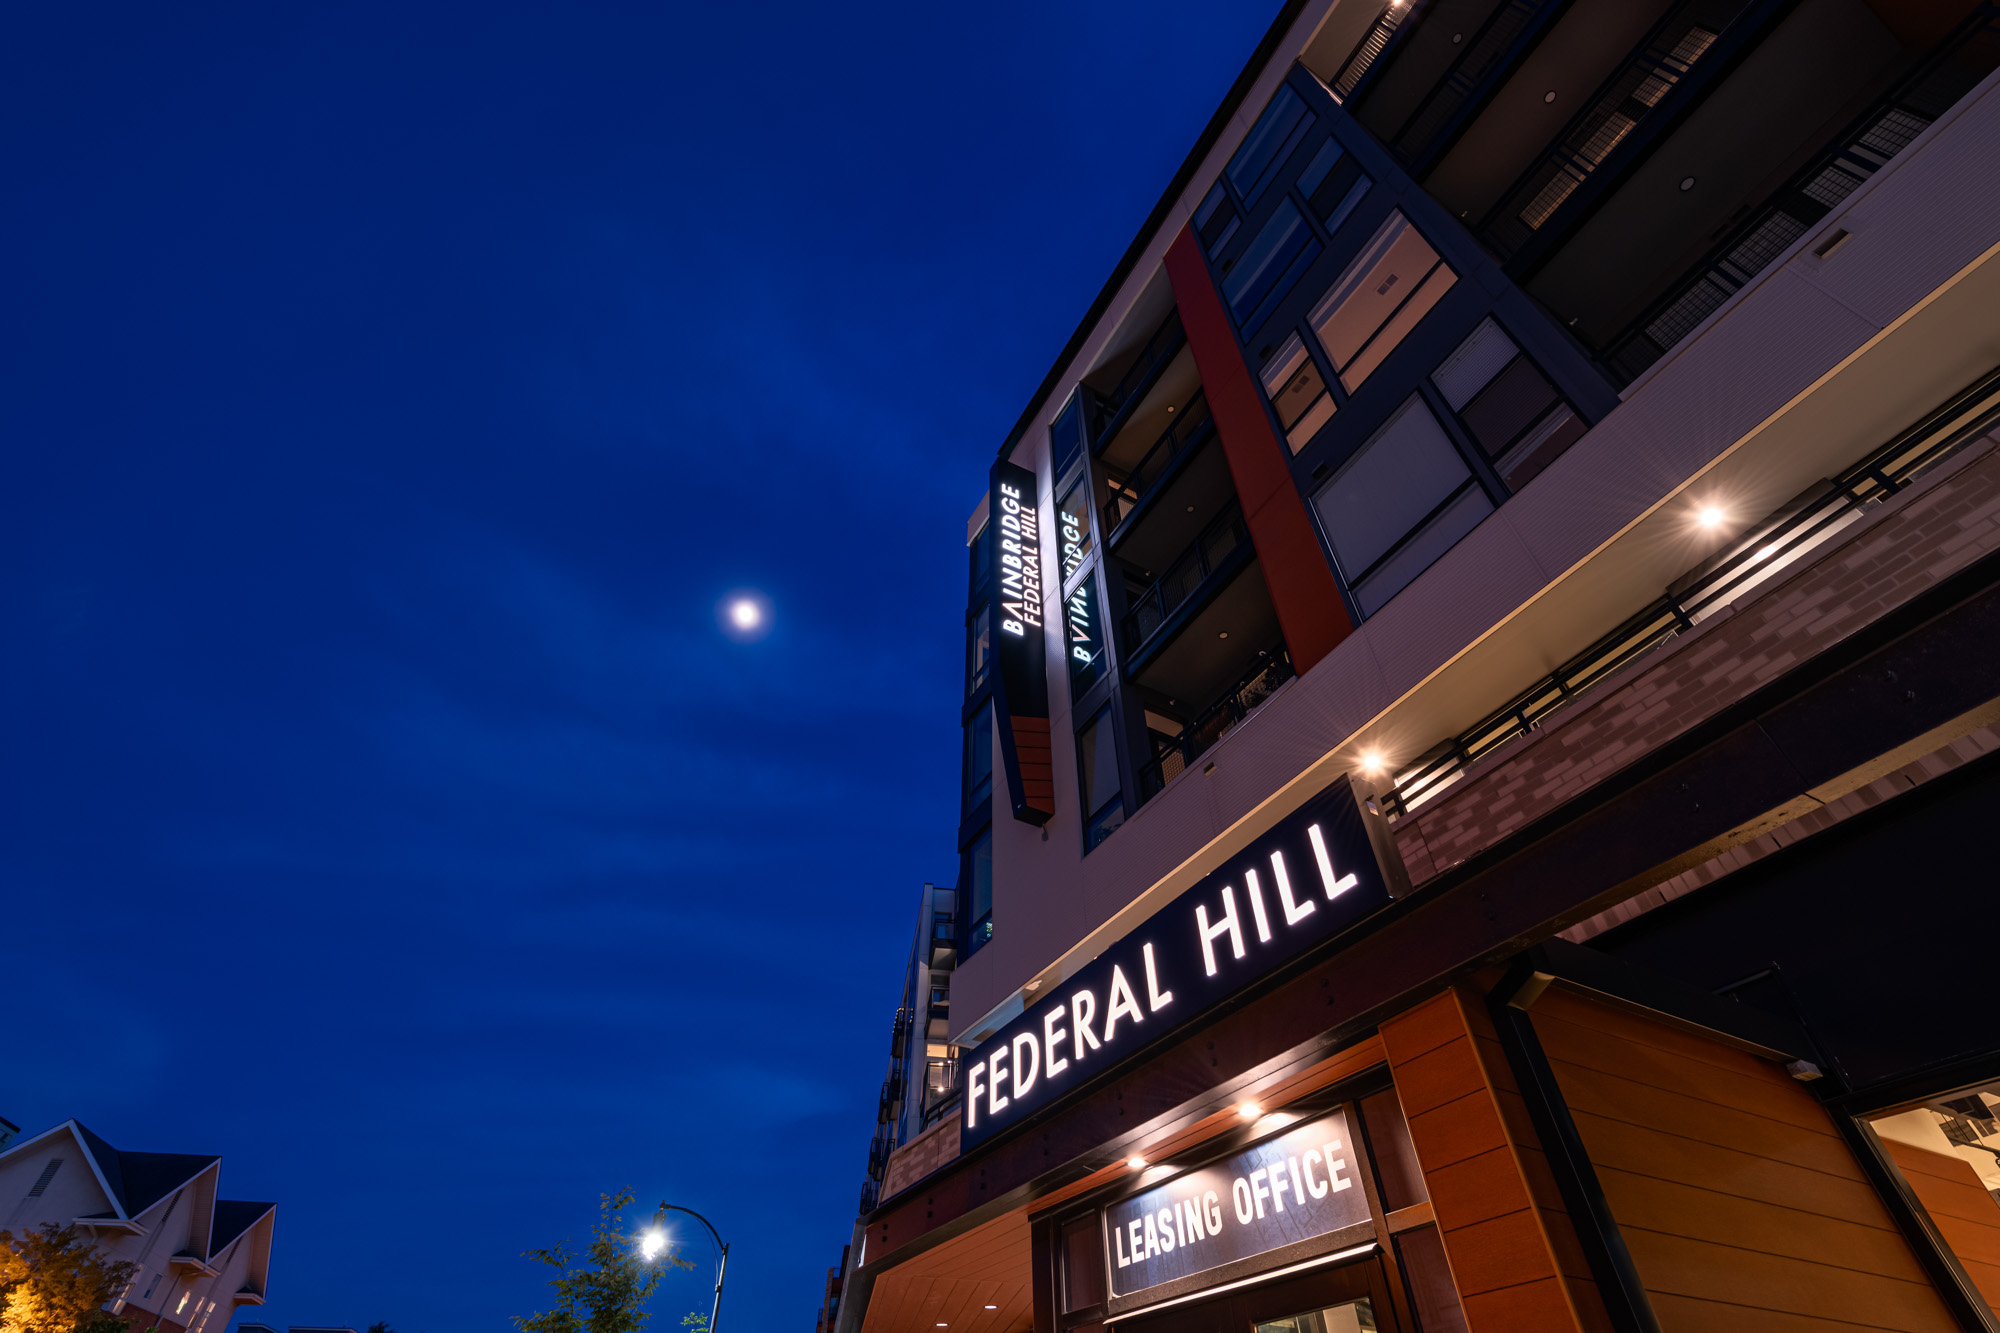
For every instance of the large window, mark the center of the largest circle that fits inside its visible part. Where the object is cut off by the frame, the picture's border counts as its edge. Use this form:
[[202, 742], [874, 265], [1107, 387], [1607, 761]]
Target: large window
[[981, 555], [1299, 392], [1255, 281], [1083, 636], [977, 876], [1066, 436], [1507, 405], [979, 759], [1399, 503], [1948, 1152], [978, 649], [1073, 527], [1271, 140], [1097, 774], [1390, 286]]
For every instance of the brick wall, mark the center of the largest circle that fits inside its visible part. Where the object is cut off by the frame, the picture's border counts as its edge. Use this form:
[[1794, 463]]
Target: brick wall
[[1911, 542]]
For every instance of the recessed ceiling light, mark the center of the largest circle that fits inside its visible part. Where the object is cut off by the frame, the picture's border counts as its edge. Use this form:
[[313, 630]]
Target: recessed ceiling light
[[1372, 762], [1249, 1110], [1223, 635], [992, 1307], [1710, 516], [1687, 183], [1135, 1161], [1549, 96]]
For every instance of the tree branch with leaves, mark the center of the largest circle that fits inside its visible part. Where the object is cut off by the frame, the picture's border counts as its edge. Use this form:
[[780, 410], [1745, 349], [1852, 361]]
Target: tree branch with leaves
[[55, 1280], [605, 1289]]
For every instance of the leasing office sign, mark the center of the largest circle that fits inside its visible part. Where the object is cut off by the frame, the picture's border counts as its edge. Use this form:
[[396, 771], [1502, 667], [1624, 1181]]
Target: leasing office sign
[[1297, 1186], [1320, 870]]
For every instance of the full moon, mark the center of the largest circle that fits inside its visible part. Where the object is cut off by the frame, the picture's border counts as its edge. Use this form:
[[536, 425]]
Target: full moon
[[745, 613]]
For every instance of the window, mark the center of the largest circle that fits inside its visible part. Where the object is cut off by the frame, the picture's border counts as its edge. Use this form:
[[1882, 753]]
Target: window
[[979, 759], [1216, 220], [1066, 436], [1948, 1152], [978, 649], [1083, 1263], [1333, 184], [982, 556], [1506, 404], [977, 877], [1097, 771], [1263, 274], [1399, 503], [1271, 140], [1390, 286], [1083, 637], [1298, 391], [1073, 527]]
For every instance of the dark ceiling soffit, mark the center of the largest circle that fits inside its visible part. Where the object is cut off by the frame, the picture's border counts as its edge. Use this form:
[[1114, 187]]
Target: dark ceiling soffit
[[1826, 717], [1237, 92]]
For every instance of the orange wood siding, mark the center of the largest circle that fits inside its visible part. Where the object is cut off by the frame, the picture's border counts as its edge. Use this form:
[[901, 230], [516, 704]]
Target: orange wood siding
[[1966, 1215], [1740, 1204], [1513, 1253]]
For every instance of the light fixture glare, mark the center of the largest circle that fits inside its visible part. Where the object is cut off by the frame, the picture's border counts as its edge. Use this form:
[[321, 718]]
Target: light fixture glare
[[1136, 1162], [1710, 516], [1249, 1110]]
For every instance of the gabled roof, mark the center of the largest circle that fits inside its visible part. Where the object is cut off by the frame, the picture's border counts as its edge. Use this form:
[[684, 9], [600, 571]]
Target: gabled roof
[[134, 1180], [233, 1217]]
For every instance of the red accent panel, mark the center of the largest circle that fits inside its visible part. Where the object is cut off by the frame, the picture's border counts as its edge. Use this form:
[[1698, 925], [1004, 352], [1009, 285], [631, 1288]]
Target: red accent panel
[[1038, 773], [1302, 588]]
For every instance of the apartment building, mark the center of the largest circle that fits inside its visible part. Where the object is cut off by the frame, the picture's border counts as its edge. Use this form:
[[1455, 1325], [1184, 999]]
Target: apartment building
[[1480, 705], [200, 1258]]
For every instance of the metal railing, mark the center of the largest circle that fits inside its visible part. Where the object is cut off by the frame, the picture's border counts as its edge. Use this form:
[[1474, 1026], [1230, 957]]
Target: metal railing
[[1370, 48], [1162, 347], [1488, 55], [1173, 754], [1952, 69], [940, 1088], [1193, 424], [1766, 549], [1152, 608], [1646, 91]]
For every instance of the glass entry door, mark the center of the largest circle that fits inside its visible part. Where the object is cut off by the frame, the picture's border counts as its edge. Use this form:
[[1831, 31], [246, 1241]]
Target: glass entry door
[[1353, 1298]]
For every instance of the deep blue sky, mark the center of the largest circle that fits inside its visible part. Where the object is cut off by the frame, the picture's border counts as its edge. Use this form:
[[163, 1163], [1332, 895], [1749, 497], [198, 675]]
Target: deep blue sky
[[387, 394]]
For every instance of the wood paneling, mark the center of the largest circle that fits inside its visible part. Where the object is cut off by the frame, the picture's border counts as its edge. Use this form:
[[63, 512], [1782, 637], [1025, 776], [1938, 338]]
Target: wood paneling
[[1965, 1213], [953, 1284], [1740, 1204], [1513, 1254]]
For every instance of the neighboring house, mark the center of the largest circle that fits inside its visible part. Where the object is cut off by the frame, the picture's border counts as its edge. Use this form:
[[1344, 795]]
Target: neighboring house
[[199, 1257]]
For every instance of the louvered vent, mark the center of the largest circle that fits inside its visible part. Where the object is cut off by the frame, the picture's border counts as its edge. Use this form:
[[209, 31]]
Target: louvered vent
[[48, 1174]]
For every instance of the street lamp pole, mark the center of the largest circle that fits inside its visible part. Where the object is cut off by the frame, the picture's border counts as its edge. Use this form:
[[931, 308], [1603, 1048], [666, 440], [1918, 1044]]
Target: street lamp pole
[[721, 1265]]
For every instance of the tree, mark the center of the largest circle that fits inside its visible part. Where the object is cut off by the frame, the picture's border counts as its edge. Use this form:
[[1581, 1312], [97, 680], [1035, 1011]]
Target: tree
[[608, 1293], [54, 1280], [380, 1326]]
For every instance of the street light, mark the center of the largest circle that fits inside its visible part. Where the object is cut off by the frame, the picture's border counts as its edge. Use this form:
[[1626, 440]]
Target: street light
[[650, 1246]]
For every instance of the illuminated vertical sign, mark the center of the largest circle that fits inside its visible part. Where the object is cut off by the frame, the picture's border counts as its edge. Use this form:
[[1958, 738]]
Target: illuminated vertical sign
[[1020, 611]]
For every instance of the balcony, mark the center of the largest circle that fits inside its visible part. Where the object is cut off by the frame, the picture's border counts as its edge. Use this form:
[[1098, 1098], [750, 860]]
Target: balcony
[[1838, 169], [1118, 401], [940, 1088], [1222, 547], [1136, 491], [1172, 753], [944, 942]]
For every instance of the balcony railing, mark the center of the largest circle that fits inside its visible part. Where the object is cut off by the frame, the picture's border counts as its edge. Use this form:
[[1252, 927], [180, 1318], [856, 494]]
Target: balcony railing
[[940, 1088], [1173, 754], [1193, 424], [1647, 92], [1369, 49], [1161, 348], [1152, 608], [1489, 55], [1762, 552], [1865, 147]]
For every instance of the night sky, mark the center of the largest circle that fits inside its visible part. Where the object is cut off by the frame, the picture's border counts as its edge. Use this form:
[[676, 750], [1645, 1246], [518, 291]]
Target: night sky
[[389, 394]]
